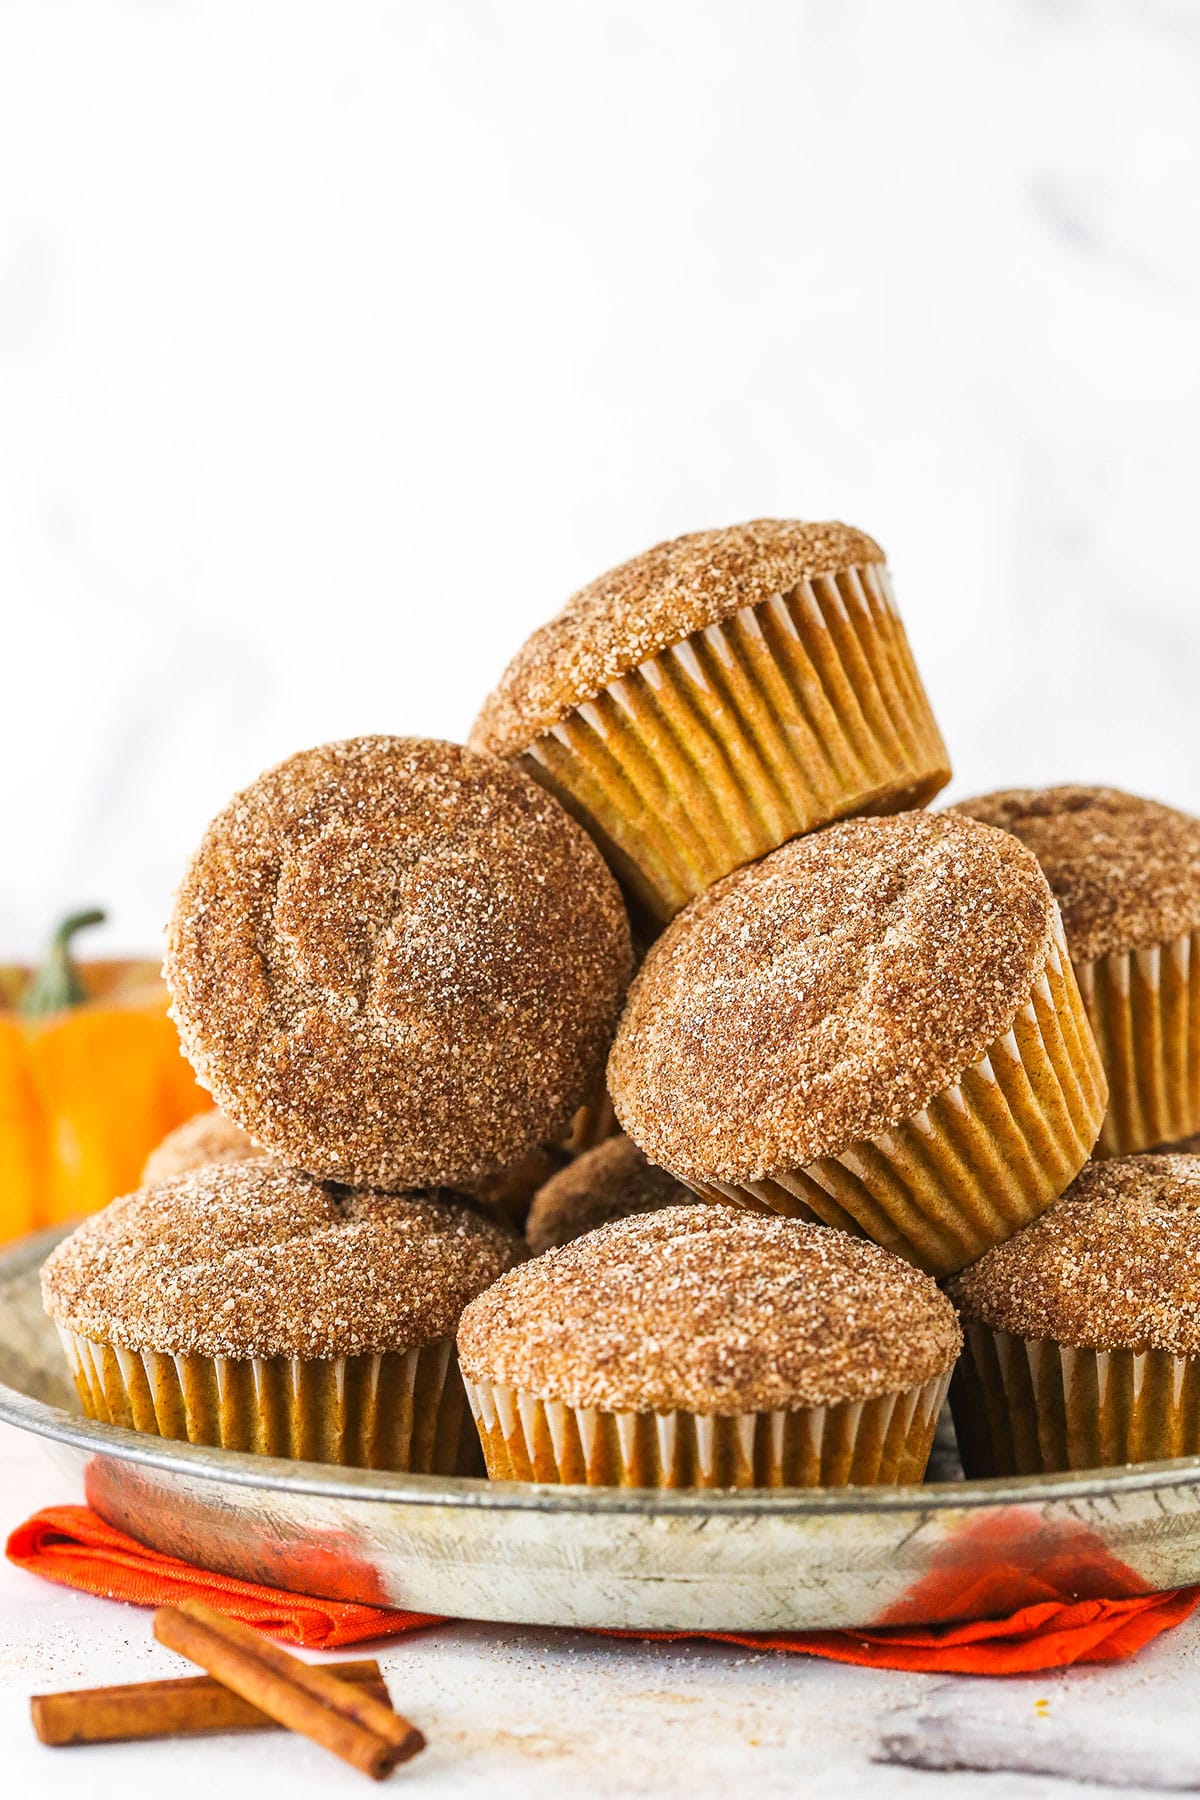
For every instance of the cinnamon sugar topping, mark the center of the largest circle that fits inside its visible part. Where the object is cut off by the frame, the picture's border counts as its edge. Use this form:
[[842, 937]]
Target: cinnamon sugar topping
[[712, 1310], [650, 603], [207, 1137], [827, 993], [1113, 1265], [253, 1259], [397, 964], [613, 1181], [1125, 871]]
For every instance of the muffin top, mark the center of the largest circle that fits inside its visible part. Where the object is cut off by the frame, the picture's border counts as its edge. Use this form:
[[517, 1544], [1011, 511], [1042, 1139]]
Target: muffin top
[[650, 603], [206, 1137], [1125, 871], [827, 992], [1113, 1265], [712, 1310], [613, 1181], [396, 963], [253, 1259]]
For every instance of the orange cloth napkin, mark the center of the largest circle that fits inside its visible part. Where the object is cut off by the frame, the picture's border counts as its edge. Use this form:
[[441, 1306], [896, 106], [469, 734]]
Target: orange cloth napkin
[[73, 1545]]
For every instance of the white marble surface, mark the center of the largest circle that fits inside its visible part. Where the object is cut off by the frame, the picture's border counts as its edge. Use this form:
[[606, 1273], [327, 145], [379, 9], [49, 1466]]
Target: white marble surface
[[339, 344], [538, 1714]]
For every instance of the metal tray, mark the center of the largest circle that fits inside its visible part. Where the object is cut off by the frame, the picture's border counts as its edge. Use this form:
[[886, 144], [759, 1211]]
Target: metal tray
[[644, 1560]]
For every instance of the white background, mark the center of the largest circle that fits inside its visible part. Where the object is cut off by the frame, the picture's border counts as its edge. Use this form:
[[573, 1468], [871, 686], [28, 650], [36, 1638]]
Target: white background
[[339, 343]]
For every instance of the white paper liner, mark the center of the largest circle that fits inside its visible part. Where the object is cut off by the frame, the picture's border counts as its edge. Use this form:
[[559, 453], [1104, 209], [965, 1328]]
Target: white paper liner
[[982, 1160], [790, 714], [404, 1410], [1144, 1006], [856, 1443], [1028, 1407]]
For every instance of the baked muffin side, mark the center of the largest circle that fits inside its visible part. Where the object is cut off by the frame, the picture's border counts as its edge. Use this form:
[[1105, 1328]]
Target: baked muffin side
[[611, 1181], [717, 695], [253, 1307], [1126, 873], [877, 1026], [704, 1346], [398, 964], [1083, 1331]]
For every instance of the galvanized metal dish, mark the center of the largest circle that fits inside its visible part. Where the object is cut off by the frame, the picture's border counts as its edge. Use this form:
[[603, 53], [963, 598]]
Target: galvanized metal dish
[[743, 1562]]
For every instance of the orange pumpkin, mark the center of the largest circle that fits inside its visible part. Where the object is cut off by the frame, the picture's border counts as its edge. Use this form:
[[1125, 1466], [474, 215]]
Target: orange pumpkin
[[91, 1078]]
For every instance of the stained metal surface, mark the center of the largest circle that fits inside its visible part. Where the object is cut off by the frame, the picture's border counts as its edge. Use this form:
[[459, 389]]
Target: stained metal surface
[[764, 1561]]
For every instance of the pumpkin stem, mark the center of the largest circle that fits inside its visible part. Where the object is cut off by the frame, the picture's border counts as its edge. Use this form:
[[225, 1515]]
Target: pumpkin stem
[[57, 984]]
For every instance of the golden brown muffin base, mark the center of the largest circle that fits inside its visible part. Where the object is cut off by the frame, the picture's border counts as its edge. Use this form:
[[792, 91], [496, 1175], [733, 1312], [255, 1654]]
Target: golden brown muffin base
[[1144, 1006], [983, 1159], [861, 1443], [405, 1410], [786, 716], [1024, 1407]]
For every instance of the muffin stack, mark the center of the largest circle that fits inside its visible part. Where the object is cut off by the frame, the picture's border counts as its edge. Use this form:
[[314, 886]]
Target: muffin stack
[[859, 1055]]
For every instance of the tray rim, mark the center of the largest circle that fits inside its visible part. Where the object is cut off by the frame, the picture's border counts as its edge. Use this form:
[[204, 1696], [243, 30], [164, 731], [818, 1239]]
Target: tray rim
[[369, 1486]]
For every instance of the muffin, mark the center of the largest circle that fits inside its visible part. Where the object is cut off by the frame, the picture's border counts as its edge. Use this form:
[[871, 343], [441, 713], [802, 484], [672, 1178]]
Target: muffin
[[253, 1307], [612, 1181], [511, 1190], [718, 695], [1083, 1332], [397, 964], [1126, 873], [702, 1347], [206, 1137], [877, 1026]]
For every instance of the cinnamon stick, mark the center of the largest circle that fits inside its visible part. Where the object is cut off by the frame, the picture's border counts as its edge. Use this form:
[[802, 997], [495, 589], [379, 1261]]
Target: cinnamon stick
[[152, 1709], [342, 1718]]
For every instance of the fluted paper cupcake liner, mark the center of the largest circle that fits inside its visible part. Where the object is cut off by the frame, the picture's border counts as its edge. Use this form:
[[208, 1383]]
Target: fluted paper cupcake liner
[[404, 1410], [593, 1124], [862, 1443], [983, 1159], [788, 715], [1027, 1407], [1144, 1006]]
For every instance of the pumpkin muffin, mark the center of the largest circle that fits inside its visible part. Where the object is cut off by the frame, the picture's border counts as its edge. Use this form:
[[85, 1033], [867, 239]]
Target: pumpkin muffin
[[511, 1190], [1083, 1332], [1126, 873], [718, 695], [398, 964], [251, 1306], [613, 1181], [877, 1026], [206, 1137], [703, 1347]]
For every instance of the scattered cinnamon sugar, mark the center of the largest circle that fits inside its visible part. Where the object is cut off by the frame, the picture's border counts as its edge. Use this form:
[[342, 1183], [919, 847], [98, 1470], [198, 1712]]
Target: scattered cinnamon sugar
[[713, 1310], [612, 1181], [1125, 871], [254, 1259], [1113, 1265], [397, 964], [827, 993], [650, 603], [207, 1137]]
